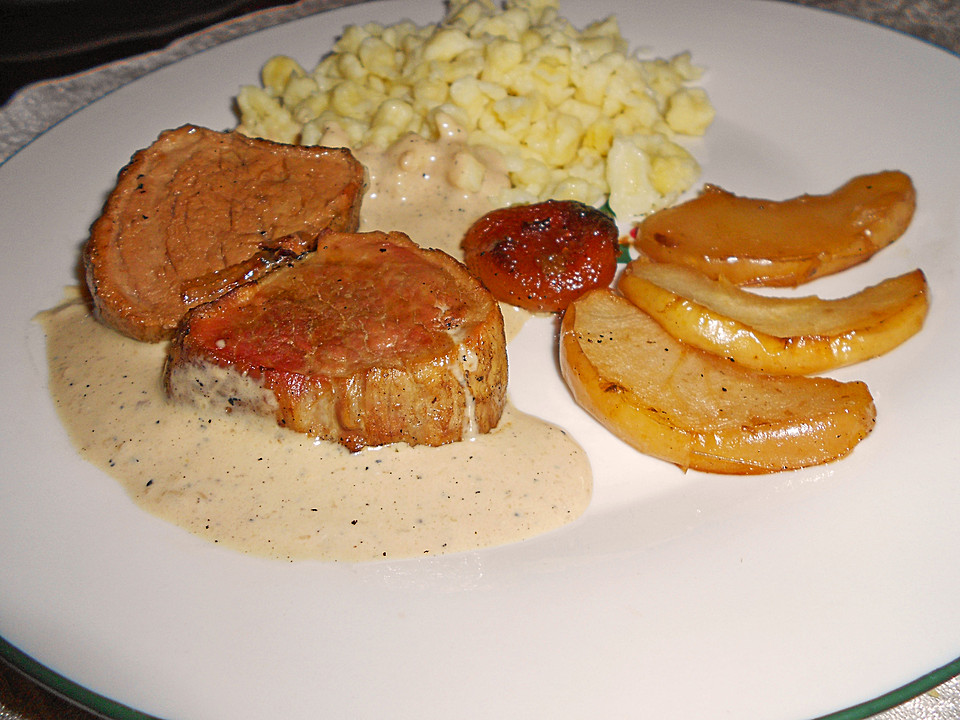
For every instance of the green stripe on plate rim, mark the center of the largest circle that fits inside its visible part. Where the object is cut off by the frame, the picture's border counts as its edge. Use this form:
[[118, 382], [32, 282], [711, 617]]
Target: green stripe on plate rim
[[109, 708], [71, 691]]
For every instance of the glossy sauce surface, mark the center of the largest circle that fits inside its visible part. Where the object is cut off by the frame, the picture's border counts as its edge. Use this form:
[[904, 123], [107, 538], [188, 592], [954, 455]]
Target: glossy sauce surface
[[241, 481]]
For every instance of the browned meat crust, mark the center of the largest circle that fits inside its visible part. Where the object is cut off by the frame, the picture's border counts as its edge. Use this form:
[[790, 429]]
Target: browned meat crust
[[199, 212], [369, 340]]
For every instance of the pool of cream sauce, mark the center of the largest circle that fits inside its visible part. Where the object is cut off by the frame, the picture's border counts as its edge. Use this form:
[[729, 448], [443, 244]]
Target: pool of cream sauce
[[245, 483]]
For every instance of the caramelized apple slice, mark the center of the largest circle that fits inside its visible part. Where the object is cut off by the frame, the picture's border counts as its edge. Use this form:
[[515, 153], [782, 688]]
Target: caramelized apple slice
[[765, 242], [695, 409], [784, 336]]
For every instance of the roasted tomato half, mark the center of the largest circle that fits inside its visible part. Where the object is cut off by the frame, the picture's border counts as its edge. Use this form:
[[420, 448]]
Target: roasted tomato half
[[543, 256]]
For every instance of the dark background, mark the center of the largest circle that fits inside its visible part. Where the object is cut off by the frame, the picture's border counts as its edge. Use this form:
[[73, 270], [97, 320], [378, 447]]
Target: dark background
[[42, 39]]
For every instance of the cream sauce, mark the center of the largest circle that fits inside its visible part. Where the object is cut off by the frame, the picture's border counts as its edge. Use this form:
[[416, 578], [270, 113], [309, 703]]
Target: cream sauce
[[243, 482]]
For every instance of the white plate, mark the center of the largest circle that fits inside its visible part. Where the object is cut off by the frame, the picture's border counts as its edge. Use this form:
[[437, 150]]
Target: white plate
[[675, 596]]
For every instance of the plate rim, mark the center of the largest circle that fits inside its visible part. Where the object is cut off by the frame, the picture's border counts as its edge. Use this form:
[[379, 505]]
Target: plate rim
[[87, 699]]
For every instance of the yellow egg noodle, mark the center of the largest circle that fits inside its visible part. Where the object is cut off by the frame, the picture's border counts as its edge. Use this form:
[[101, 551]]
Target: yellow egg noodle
[[573, 113]]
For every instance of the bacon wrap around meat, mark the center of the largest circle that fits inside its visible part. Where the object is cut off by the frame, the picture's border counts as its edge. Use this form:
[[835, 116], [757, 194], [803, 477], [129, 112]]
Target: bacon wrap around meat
[[369, 340]]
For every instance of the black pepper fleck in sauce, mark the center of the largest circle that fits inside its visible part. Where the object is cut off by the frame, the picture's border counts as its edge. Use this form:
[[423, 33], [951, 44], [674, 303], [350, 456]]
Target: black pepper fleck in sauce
[[241, 481]]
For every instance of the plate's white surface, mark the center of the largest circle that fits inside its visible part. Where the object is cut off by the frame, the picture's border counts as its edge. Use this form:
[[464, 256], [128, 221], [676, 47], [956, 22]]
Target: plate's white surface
[[676, 596]]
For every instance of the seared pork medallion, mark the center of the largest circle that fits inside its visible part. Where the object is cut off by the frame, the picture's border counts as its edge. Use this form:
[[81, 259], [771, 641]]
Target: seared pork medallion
[[367, 341], [199, 212]]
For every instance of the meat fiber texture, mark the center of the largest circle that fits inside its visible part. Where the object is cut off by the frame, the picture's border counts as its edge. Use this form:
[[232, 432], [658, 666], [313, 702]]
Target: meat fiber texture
[[368, 340], [200, 212]]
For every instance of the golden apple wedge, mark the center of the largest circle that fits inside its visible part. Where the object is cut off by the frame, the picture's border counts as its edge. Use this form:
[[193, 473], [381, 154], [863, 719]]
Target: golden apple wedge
[[750, 241], [784, 336], [698, 410]]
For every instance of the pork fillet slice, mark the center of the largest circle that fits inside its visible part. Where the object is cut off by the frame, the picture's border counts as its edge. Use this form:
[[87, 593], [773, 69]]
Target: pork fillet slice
[[367, 341], [200, 211]]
